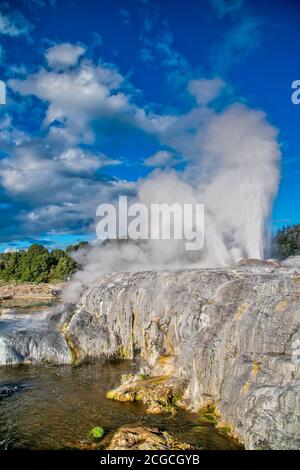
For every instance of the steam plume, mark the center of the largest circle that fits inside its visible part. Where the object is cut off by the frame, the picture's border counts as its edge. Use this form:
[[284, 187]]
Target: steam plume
[[233, 168]]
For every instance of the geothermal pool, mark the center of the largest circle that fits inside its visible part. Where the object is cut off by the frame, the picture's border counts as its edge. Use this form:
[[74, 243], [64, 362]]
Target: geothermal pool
[[54, 407]]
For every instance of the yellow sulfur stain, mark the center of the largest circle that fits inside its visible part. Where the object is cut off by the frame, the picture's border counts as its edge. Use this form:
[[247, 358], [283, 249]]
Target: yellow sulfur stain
[[241, 309], [245, 388], [256, 368], [282, 306]]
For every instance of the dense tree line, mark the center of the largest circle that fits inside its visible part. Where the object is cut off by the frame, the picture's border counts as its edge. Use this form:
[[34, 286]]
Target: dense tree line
[[37, 264], [287, 242]]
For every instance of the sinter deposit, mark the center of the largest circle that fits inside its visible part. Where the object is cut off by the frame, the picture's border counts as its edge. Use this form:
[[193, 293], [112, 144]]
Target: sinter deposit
[[231, 336]]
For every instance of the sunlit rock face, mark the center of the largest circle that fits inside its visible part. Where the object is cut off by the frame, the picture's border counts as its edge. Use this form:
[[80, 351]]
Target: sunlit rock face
[[233, 334]]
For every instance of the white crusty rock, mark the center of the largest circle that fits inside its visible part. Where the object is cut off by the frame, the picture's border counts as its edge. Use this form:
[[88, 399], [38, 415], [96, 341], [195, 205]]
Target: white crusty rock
[[232, 334]]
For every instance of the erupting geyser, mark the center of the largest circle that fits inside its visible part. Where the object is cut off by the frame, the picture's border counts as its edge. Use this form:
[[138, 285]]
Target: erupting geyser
[[232, 167]]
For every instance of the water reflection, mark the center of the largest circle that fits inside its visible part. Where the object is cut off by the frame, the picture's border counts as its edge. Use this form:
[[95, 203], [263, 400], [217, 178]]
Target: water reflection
[[58, 405]]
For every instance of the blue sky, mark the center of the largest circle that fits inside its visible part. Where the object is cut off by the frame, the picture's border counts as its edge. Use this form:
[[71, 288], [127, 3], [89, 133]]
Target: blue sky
[[92, 86]]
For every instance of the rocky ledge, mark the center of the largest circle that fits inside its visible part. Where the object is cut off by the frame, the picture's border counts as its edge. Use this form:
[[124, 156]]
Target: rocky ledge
[[30, 291], [232, 335], [159, 394], [145, 438]]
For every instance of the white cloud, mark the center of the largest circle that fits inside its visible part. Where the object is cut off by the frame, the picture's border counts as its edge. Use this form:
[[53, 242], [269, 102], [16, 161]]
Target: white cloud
[[75, 97], [9, 134], [64, 55], [33, 168], [75, 160], [162, 158], [14, 25], [231, 156], [57, 191], [205, 90]]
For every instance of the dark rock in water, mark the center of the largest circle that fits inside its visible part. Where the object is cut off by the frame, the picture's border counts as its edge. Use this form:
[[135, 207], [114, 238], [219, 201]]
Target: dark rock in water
[[5, 297], [145, 438], [7, 390]]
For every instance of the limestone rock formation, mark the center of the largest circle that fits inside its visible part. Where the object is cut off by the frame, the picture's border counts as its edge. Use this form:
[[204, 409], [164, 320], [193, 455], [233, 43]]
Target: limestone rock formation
[[145, 438], [159, 394], [32, 339], [232, 334]]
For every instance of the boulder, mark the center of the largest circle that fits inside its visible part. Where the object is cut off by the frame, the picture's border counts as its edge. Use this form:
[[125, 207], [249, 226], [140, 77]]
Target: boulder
[[145, 438]]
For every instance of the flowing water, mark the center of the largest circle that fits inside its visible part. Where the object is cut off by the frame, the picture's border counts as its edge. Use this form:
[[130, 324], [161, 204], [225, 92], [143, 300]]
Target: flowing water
[[54, 407]]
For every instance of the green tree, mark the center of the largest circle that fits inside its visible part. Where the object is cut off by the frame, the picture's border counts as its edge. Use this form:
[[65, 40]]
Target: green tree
[[287, 242], [10, 265], [35, 264], [38, 265], [63, 270], [76, 247]]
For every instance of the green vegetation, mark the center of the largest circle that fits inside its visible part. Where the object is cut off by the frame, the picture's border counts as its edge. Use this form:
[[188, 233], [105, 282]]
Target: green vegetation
[[37, 264], [287, 242], [96, 433], [209, 414]]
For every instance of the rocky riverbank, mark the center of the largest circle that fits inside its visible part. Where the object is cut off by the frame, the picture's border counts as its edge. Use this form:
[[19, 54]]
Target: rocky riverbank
[[29, 291]]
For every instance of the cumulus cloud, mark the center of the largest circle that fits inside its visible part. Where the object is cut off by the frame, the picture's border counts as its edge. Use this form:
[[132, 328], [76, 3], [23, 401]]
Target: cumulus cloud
[[58, 191], [64, 55], [58, 176], [75, 97], [75, 160], [85, 94], [231, 162], [161, 159], [9, 134], [33, 168], [205, 90]]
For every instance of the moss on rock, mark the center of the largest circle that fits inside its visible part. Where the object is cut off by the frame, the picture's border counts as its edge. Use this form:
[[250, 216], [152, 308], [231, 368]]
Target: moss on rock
[[159, 394]]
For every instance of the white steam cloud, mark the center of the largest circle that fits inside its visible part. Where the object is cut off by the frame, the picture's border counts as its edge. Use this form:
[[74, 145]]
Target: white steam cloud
[[232, 167]]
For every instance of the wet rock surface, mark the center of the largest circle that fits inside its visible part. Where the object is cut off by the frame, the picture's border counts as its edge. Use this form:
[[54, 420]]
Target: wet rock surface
[[159, 394], [145, 438], [33, 338], [232, 335]]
